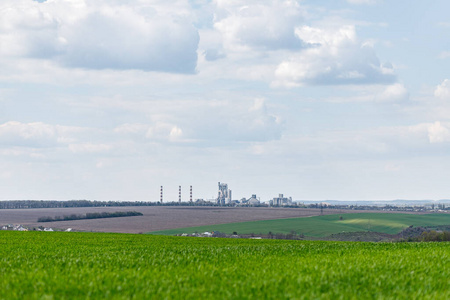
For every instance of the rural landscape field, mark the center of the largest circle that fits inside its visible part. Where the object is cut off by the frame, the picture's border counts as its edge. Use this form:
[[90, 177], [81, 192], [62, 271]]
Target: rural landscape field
[[60, 265], [323, 226], [155, 217], [102, 265], [214, 149]]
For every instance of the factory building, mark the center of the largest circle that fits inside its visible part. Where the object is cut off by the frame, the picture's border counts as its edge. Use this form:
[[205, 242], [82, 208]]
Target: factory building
[[224, 196], [252, 201], [281, 201]]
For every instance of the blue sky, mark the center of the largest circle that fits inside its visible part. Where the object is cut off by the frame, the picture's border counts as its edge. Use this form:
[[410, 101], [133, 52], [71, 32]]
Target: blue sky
[[338, 99]]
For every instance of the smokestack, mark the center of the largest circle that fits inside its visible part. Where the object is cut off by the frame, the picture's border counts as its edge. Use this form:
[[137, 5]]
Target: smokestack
[[161, 196], [190, 195], [179, 193]]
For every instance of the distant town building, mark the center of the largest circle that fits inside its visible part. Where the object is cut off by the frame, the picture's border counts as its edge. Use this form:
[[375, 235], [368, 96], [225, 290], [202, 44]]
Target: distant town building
[[281, 201], [14, 227], [224, 195]]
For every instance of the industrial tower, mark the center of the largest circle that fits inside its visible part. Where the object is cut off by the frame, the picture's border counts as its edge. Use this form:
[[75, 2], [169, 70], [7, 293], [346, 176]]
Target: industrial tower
[[224, 196]]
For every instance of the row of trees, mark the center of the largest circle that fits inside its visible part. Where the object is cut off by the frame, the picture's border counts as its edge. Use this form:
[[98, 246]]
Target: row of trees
[[23, 204], [90, 216], [16, 204], [435, 236]]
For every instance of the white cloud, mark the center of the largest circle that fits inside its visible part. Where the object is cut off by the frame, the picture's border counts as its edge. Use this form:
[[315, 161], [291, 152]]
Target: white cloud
[[163, 131], [361, 144], [393, 93], [35, 134], [442, 91], [209, 122], [130, 128], [258, 24], [438, 132], [425, 133], [40, 135], [444, 24], [175, 133], [337, 58], [147, 35], [89, 148], [235, 121], [444, 54]]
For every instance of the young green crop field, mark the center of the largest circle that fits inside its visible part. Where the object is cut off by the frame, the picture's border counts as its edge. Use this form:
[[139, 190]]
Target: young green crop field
[[322, 226], [60, 265]]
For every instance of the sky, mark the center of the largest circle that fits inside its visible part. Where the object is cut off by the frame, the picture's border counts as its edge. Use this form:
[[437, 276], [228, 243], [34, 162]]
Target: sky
[[317, 100]]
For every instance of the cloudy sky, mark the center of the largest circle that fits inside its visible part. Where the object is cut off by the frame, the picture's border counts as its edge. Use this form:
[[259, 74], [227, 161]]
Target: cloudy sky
[[332, 99]]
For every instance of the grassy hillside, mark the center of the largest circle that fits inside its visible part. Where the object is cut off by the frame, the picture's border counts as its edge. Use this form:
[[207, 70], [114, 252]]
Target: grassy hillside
[[59, 265], [322, 226]]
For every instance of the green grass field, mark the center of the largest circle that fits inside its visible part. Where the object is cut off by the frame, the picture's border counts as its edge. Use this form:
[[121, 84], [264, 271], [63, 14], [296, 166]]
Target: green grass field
[[59, 265], [322, 226]]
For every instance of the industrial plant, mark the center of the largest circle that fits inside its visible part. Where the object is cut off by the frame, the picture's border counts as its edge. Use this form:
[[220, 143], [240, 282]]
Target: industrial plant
[[281, 201], [224, 198]]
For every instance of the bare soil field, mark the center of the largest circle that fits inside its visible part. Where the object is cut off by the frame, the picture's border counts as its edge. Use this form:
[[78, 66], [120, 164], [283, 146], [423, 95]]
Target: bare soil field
[[155, 217]]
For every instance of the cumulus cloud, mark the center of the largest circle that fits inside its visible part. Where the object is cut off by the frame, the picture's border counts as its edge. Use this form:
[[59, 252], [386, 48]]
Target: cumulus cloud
[[263, 25], [229, 121], [393, 93], [164, 131], [159, 131], [221, 121], [444, 24], [27, 134], [131, 129], [438, 132], [213, 54], [36, 134], [338, 57], [444, 54], [431, 133], [442, 91], [102, 34], [89, 148], [253, 124], [388, 141]]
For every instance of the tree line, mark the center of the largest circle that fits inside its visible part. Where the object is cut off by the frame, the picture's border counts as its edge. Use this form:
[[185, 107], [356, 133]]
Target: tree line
[[434, 236], [90, 216], [18, 204], [24, 204]]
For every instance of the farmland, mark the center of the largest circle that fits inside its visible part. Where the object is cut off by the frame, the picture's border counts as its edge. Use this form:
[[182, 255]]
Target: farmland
[[58, 265], [154, 218], [321, 226]]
